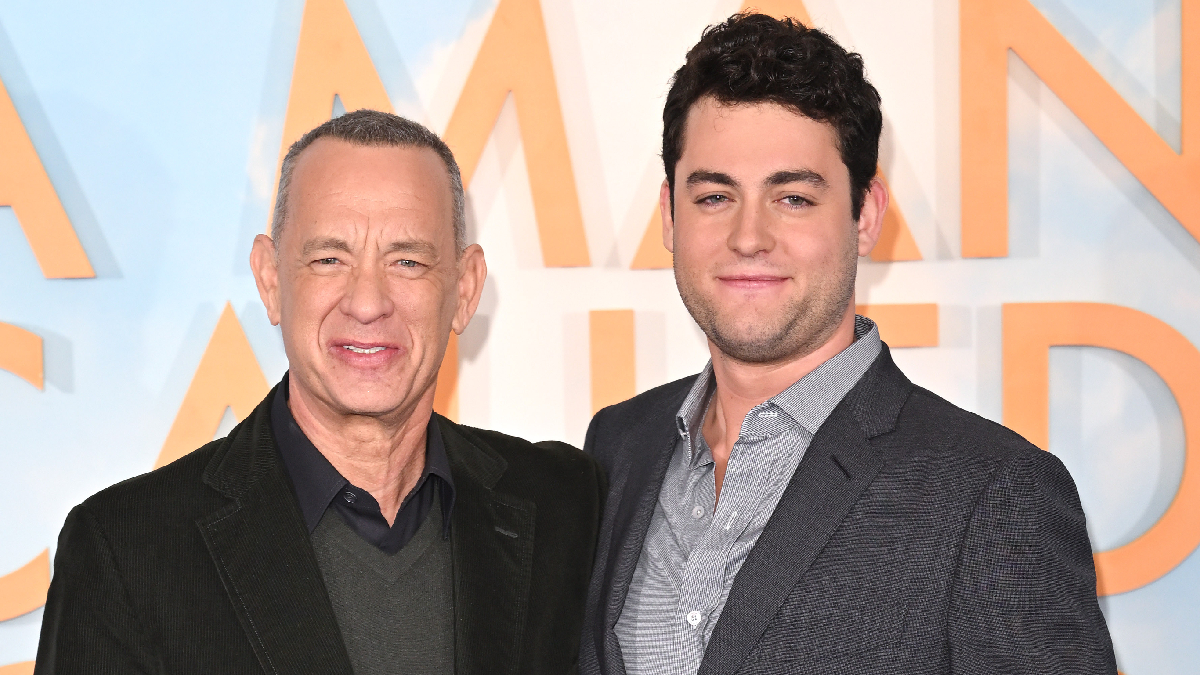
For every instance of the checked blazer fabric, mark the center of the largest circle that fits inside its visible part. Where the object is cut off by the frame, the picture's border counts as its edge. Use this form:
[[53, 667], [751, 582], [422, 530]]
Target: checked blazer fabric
[[914, 538]]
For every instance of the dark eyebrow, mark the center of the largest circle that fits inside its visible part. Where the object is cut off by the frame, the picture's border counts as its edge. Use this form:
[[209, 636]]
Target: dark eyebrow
[[808, 176], [324, 244], [703, 176]]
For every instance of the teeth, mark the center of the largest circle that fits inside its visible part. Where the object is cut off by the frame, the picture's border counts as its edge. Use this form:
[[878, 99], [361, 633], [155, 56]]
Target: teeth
[[359, 350]]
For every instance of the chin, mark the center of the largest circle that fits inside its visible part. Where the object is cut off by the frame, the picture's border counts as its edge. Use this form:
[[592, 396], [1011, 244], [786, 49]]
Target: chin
[[370, 406], [363, 398]]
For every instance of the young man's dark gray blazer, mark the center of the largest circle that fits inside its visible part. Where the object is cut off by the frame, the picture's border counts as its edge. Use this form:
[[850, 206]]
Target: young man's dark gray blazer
[[205, 565], [914, 538]]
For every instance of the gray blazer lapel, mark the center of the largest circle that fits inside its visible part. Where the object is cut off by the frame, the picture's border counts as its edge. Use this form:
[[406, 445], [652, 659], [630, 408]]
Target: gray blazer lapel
[[649, 448], [837, 468], [492, 537], [263, 555]]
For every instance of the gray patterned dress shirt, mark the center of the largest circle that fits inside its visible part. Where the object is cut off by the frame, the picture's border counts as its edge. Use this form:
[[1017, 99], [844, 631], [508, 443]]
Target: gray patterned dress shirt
[[695, 546]]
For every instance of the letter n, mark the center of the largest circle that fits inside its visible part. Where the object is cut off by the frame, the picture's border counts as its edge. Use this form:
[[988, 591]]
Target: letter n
[[989, 28]]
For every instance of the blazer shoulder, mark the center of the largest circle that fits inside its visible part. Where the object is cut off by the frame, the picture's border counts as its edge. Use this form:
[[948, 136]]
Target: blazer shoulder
[[172, 493], [537, 465], [958, 430]]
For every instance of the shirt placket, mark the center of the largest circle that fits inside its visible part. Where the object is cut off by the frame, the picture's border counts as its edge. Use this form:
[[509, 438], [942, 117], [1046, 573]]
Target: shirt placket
[[704, 571], [694, 577]]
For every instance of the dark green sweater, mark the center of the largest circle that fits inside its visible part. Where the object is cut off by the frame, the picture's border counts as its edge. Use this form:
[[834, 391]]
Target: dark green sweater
[[395, 612]]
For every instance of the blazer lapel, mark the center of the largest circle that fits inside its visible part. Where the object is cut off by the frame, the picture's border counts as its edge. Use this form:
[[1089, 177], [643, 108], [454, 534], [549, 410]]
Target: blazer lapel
[[492, 539], [837, 468], [644, 479], [262, 552]]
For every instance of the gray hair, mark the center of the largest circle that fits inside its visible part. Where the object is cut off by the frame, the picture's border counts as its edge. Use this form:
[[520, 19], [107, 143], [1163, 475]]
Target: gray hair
[[374, 128]]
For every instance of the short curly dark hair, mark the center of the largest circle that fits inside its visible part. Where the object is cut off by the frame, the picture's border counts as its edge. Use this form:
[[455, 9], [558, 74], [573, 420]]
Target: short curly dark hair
[[755, 58]]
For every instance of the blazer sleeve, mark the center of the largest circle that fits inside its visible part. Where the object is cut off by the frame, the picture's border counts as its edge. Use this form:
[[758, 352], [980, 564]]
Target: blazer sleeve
[[1024, 597], [89, 625]]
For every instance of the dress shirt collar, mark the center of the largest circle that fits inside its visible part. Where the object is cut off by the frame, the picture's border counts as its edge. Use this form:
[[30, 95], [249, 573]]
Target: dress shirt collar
[[317, 482], [808, 401]]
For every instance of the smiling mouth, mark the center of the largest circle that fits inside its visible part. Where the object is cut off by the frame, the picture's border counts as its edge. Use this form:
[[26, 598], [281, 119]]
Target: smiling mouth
[[751, 279], [364, 350]]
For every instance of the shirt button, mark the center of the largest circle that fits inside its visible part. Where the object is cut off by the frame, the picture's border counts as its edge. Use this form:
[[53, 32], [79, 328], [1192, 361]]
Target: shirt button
[[350, 497], [698, 511], [693, 618]]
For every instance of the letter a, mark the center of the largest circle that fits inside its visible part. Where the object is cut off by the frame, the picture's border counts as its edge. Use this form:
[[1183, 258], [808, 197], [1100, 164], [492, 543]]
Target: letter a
[[515, 57], [331, 60], [228, 377], [25, 187]]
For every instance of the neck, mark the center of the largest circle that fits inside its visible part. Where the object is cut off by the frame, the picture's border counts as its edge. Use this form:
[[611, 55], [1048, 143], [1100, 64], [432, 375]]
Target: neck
[[383, 455], [742, 385]]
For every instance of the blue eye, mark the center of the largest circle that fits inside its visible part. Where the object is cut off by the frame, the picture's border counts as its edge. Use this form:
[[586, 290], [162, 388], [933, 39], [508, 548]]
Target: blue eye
[[407, 263], [327, 261]]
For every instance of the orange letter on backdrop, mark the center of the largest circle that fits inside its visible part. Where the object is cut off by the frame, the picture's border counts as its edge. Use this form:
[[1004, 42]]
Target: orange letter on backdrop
[[21, 354], [24, 590], [913, 325], [1030, 330], [612, 347], [25, 187], [895, 242], [515, 57], [228, 377], [331, 60], [989, 28]]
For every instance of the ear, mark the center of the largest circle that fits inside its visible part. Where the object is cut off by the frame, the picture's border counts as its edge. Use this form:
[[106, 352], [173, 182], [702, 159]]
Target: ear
[[472, 271], [265, 265], [870, 220], [668, 218]]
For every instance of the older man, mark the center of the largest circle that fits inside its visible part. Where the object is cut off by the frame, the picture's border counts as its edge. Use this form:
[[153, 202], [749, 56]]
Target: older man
[[344, 526], [801, 506]]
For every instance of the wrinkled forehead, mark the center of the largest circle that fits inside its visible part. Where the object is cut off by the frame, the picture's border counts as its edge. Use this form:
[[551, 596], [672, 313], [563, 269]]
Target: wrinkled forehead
[[340, 185]]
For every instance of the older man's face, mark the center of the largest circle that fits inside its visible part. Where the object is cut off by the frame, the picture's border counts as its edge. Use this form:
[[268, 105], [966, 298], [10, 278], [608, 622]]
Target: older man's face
[[367, 286]]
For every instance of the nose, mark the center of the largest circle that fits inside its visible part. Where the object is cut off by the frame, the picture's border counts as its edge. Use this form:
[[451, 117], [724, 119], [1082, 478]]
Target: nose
[[366, 298], [751, 234]]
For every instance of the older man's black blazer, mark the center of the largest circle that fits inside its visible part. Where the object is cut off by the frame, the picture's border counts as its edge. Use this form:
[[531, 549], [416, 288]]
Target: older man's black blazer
[[205, 565], [914, 538]]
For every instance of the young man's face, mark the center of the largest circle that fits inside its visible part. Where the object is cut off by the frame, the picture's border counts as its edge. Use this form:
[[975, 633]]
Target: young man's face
[[764, 241]]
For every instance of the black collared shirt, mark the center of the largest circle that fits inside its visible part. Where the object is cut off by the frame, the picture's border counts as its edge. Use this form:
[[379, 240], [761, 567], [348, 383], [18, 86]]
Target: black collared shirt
[[319, 486]]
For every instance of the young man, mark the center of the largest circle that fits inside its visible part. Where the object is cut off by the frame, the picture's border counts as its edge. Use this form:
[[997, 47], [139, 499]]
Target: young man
[[800, 506], [343, 526]]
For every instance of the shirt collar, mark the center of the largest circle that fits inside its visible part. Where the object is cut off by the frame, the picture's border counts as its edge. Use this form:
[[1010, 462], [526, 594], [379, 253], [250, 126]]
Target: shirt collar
[[317, 482], [811, 399]]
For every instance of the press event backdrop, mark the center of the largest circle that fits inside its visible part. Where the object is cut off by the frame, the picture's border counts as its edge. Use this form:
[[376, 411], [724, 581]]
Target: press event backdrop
[[1040, 265]]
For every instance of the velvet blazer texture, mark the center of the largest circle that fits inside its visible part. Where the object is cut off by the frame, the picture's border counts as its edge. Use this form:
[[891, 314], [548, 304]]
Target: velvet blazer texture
[[205, 565]]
